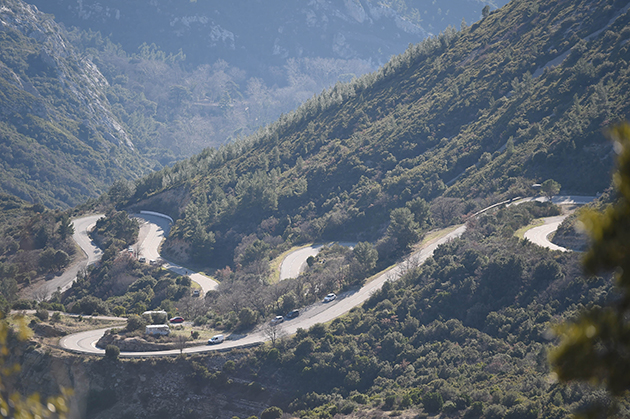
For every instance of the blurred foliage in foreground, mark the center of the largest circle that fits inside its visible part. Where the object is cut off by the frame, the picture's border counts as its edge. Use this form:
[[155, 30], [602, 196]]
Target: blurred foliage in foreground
[[12, 403], [595, 347]]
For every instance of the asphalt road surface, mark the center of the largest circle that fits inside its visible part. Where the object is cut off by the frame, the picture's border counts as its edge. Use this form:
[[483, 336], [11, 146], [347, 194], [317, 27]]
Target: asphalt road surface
[[538, 235], [316, 313], [85, 342], [64, 281], [295, 262], [153, 229]]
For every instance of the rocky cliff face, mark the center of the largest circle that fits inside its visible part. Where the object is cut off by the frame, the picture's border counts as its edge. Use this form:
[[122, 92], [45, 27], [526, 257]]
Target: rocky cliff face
[[256, 34], [77, 74], [60, 142], [182, 387]]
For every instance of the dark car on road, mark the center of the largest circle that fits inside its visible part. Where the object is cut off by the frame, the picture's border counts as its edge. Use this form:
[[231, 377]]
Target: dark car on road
[[292, 314], [177, 320]]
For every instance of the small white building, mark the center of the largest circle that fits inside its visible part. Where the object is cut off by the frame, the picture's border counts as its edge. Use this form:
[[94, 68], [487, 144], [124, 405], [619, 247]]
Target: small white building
[[157, 329]]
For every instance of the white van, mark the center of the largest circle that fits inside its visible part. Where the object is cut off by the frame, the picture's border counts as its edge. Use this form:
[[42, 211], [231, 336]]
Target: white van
[[216, 339]]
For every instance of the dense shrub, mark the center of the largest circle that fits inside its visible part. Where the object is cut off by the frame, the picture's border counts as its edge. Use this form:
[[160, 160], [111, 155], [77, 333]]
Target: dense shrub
[[272, 412], [42, 314], [134, 322], [112, 351]]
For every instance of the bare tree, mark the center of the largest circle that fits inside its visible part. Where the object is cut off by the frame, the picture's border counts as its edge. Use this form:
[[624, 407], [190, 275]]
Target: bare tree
[[273, 332], [446, 211], [40, 294], [409, 264], [191, 307], [257, 296], [180, 342]]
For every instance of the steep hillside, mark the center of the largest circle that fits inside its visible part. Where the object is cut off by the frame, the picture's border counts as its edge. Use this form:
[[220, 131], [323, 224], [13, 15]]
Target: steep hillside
[[60, 143], [184, 76], [34, 244], [79, 112], [476, 115]]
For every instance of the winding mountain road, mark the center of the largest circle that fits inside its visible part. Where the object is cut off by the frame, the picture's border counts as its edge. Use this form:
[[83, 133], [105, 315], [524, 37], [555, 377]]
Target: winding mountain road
[[295, 262], [539, 235], [153, 229], [85, 342], [64, 281]]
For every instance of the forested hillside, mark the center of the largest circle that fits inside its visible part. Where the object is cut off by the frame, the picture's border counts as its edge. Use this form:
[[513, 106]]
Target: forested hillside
[[34, 243], [469, 117], [60, 143], [80, 111], [466, 119], [465, 335]]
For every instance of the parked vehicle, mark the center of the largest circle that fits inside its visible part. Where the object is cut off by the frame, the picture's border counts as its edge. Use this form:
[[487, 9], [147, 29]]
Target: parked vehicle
[[157, 329], [329, 297], [216, 339], [196, 293], [292, 314], [142, 259], [177, 319], [277, 319]]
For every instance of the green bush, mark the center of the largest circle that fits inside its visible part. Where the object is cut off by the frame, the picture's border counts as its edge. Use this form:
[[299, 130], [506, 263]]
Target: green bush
[[23, 305], [229, 366], [112, 351], [134, 322], [432, 402], [347, 407], [359, 398], [90, 305], [57, 307], [449, 407], [272, 412], [119, 311], [200, 320], [247, 317], [475, 410], [405, 402], [390, 400], [42, 314]]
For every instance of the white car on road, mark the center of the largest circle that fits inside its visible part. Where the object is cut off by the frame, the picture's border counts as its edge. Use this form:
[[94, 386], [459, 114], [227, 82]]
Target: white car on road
[[329, 297], [277, 319]]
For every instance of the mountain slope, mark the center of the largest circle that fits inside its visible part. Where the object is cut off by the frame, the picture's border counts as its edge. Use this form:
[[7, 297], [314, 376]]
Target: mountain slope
[[260, 36], [184, 76], [478, 115], [60, 143]]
